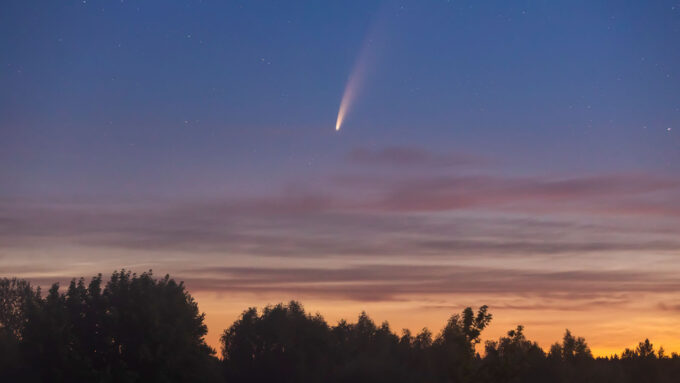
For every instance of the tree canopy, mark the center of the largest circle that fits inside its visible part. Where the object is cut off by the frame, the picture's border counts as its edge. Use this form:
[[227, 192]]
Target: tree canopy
[[134, 328], [138, 328]]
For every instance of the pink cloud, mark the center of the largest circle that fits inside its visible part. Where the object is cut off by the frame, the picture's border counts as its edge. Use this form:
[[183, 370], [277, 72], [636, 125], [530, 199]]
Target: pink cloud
[[403, 156]]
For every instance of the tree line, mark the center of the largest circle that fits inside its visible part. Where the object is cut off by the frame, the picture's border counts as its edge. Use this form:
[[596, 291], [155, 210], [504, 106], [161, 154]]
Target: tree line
[[138, 328]]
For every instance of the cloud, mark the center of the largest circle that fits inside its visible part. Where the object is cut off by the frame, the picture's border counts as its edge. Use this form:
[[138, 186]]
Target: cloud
[[402, 156], [395, 282], [529, 289], [410, 216], [669, 306], [403, 215], [311, 230], [564, 304], [611, 193]]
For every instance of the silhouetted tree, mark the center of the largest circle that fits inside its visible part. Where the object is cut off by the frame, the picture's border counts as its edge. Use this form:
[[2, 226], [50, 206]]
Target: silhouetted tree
[[370, 353], [513, 358], [454, 348], [575, 348], [15, 297], [135, 329], [283, 344], [645, 350]]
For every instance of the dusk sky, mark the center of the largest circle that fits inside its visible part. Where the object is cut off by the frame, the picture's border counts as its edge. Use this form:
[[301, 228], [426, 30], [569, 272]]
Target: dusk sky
[[524, 155]]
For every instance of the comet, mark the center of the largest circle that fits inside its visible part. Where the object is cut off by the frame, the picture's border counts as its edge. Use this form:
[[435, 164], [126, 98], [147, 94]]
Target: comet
[[348, 97], [356, 79]]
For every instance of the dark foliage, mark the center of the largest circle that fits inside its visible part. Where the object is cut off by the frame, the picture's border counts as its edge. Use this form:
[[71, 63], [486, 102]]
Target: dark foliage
[[137, 328], [284, 340], [285, 344], [134, 329]]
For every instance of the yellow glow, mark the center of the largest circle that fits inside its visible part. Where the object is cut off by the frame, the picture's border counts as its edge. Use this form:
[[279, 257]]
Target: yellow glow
[[608, 332]]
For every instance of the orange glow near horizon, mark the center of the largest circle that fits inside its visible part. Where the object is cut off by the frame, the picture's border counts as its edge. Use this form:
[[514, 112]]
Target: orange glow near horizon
[[611, 279], [623, 329]]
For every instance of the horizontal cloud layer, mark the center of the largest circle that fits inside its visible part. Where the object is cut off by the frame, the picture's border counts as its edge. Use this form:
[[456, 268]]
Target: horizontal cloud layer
[[389, 282], [398, 226]]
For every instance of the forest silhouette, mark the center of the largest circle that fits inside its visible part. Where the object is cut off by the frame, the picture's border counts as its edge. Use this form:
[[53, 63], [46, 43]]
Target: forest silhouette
[[139, 328]]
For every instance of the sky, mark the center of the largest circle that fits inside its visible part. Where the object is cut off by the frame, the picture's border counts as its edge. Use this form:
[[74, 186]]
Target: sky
[[523, 155]]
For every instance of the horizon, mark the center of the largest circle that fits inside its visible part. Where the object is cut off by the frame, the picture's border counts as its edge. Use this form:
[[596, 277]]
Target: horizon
[[496, 329], [403, 158]]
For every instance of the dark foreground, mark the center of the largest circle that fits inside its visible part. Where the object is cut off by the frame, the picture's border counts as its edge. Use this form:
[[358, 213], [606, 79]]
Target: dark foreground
[[136, 328]]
